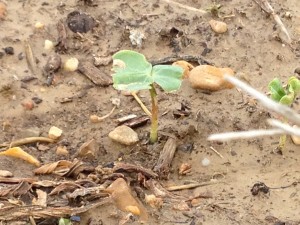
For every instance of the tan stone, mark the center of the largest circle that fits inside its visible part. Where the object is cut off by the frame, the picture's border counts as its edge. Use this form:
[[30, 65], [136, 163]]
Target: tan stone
[[124, 135], [210, 78], [295, 139], [187, 67], [218, 26], [54, 132], [62, 150]]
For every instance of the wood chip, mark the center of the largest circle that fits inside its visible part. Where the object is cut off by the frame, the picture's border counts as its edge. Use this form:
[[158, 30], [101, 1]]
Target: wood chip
[[94, 74], [166, 156]]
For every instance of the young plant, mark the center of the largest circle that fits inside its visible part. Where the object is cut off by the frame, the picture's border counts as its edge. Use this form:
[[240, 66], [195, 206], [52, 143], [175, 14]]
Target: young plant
[[132, 72], [284, 95]]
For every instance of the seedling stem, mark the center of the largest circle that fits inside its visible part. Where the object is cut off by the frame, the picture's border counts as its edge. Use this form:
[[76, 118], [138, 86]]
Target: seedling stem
[[154, 117]]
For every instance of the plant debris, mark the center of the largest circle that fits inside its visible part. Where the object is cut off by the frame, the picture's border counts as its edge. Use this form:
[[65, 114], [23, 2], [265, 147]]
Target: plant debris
[[18, 152]]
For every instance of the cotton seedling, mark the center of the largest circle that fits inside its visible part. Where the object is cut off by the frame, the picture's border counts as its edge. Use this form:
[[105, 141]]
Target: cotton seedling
[[132, 72]]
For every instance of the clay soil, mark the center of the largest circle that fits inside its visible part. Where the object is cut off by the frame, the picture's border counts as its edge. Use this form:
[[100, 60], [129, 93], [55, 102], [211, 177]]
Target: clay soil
[[253, 47]]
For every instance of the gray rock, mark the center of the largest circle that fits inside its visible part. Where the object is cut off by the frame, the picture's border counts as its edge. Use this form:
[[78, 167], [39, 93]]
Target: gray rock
[[124, 135]]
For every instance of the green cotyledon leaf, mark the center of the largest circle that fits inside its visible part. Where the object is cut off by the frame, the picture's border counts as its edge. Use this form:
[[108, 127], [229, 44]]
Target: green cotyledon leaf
[[63, 221], [132, 71], [168, 77], [287, 99], [276, 89], [294, 85]]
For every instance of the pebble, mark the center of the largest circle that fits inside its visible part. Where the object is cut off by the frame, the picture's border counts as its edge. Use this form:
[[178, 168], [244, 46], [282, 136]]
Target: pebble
[[210, 78], [53, 64], [28, 104], [48, 45], [80, 22], [5, 173], [205, 162], [54, 133], [39, 25], [36, 100], [71, 64], [296, 139], [124, 135], [43, 147], [9, 50], [297, 70], [218, 26], [62, 150]]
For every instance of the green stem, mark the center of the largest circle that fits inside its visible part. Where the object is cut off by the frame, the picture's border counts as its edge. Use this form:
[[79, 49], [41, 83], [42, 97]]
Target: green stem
[[282, 141], [154, 117]]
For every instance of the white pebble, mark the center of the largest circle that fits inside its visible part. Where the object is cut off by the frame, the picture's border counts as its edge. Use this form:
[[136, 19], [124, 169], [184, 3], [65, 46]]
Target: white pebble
[[71, 64], [54, 133], [39, 25], [48, 45], [205, 162]]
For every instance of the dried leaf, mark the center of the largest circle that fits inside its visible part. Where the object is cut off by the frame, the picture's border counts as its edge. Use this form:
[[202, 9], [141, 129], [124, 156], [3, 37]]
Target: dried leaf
[[154, 201], [41, 199], [17, 152], [11, 213], [64, 168], [44, 183], [65, 186], [122, 197], [16, 190], [87, 149], [56, 167]]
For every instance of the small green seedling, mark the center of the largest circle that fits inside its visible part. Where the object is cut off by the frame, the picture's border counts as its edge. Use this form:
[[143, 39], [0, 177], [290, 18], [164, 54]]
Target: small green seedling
[[133, 72], [63, 221], [214, 9], [284, 95]]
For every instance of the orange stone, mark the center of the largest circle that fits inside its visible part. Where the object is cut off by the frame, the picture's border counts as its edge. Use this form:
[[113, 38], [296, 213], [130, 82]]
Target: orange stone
[[187, 67], [210, 78]]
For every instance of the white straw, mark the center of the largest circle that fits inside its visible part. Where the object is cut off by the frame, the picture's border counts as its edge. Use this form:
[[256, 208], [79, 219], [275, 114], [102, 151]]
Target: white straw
[[244, 134], [283, 110]]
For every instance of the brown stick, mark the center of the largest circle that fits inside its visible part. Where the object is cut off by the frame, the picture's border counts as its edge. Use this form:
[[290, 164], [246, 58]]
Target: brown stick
[[119, 167], [94, 74], [13, 180], [62, 37], [165, 159], [189, 186], [28, 140], [186, 7]]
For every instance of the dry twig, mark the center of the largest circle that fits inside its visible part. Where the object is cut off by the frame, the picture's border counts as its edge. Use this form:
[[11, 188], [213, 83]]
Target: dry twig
[[215, 151], [185, 6], [189, 186], [141, 104], [28, 140], [266, 6]]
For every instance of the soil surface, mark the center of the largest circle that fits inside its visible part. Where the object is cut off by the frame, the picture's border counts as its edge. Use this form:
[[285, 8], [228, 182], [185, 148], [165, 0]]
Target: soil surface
[[253, 47]]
